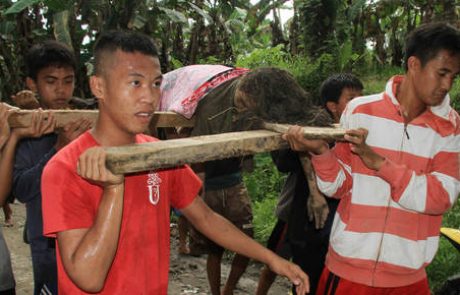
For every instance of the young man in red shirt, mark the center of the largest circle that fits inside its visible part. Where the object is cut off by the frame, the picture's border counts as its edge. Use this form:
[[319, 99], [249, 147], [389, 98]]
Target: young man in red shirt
[[113, 230]]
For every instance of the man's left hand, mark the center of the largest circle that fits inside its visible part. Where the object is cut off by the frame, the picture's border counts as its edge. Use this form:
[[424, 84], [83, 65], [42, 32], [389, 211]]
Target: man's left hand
[[317, 209]]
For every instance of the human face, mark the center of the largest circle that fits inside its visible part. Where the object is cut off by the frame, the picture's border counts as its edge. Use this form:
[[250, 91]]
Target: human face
[[54, 85], [128, 91], [346, 95], [433, 81], [337, 108]]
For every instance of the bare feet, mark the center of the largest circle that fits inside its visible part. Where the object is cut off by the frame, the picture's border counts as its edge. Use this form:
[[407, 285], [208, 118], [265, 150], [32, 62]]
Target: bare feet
[[8, 222], [8, 215]]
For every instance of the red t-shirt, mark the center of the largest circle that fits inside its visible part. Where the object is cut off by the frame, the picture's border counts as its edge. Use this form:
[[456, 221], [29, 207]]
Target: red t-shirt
[[141, 263]]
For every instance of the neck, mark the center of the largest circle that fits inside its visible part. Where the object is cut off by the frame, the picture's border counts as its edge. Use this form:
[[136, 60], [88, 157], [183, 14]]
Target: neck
[[109, 136], [411, 106]]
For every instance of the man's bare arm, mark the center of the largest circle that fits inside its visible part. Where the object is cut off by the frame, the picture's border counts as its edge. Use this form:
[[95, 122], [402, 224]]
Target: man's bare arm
[[87, 254]]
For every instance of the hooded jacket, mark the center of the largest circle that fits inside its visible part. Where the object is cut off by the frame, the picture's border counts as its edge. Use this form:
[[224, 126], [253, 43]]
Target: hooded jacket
[[386, 229]]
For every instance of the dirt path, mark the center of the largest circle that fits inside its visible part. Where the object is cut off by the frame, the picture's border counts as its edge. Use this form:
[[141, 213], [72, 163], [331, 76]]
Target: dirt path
[[187, 273], [20, 252]]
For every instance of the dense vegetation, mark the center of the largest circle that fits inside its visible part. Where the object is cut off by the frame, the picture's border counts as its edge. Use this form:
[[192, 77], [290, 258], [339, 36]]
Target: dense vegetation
[[323, 37]]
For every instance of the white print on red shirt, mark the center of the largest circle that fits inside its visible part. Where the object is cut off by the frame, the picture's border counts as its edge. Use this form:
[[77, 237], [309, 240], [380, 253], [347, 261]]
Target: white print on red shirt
[[153, 184]]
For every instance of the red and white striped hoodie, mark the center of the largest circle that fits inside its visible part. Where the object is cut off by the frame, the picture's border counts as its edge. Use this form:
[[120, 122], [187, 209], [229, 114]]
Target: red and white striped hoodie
[[386, 229]]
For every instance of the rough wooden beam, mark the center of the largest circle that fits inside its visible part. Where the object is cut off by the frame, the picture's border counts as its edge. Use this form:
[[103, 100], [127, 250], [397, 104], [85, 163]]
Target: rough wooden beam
[[160, 119], [23, 118], [326, 133], [176, 152]]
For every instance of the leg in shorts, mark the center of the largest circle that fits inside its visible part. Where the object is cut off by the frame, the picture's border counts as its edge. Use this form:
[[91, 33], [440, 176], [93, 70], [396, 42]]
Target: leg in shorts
[[234, 204]]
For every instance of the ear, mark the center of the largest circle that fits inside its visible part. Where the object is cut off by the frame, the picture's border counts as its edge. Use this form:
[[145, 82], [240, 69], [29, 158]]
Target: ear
[[30, 83], [413, 63], [331, 106], [96, 84]]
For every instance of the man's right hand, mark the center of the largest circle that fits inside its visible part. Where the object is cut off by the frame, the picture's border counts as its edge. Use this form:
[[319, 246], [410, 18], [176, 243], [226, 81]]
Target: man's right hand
[[42, 122], [293, 272], [299, 143], [71, 131], [91, 166], [26, 99]]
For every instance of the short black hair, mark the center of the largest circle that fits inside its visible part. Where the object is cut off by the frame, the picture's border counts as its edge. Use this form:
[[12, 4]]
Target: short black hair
[[46, 54], [127, 41], [427, 40], [332, 87]]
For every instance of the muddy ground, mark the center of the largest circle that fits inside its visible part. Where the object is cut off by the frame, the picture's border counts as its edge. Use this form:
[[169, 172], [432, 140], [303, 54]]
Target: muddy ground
[[187, 273]]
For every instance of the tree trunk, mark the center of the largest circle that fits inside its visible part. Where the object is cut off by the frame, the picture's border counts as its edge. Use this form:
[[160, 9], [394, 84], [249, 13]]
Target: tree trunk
[[427, 11], [277, 31], [178, 43], [449, 12], [294, 32]]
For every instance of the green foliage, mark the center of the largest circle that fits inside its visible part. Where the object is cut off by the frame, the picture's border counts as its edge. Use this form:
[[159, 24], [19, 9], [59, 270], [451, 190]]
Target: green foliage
[[264, 185], [374, 82], [272, 56], [266, 181], [346, 58], [310, 74], [201, 12], [20, 6], [318, 19], [210, 60], [446, 262], [61, 24], [193, 32], [264, 218], [175, 63], [455, 95], [174, 15]]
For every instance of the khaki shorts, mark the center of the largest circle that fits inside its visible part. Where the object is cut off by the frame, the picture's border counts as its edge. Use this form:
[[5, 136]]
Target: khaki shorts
[[234, 204]]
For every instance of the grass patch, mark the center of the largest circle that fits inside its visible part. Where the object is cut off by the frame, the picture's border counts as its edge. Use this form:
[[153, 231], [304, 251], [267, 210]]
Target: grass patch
[[264, 185]]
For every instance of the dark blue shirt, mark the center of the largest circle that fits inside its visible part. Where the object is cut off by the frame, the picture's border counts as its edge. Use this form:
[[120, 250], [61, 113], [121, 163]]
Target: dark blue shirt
[[32, 155]]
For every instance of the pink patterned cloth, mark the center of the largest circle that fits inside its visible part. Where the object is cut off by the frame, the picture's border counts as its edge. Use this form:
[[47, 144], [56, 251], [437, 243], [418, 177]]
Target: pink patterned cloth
[[182, 89]]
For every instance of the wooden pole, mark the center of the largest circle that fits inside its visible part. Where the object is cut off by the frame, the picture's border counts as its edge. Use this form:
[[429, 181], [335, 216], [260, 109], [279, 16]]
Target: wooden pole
[[176, 152], [326, 133], [22, 118]]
